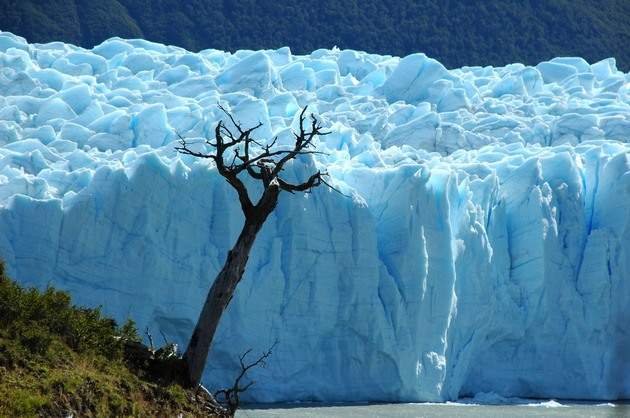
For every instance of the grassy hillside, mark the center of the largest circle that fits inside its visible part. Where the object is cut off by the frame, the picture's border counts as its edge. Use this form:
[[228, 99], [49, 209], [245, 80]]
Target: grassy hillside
[[457, 32], [57, 360]]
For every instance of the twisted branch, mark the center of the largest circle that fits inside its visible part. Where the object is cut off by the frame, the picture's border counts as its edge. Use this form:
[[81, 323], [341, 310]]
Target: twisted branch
[[230, 396], [266, 164]]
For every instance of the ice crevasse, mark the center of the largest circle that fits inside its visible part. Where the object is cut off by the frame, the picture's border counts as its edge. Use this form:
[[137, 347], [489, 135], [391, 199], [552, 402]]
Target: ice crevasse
[[483, 245]]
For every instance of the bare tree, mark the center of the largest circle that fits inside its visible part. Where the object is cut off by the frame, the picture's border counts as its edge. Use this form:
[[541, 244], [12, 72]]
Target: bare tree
[[236, 153], [230, 397]]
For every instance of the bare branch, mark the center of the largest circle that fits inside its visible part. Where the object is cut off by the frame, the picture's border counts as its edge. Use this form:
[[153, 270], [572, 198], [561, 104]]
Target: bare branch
[[183, 149], [313, 181], [164, 337], [238, 125], [260, 162], [148, 333], [230, 396], [303, 140], [333, 188]]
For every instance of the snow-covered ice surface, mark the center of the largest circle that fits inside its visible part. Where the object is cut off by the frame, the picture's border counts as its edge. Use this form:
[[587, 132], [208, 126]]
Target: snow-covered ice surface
[[485, 248]]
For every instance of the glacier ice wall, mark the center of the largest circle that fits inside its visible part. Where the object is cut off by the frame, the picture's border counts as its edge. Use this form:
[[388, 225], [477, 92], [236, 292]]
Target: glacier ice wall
[[485, 246]]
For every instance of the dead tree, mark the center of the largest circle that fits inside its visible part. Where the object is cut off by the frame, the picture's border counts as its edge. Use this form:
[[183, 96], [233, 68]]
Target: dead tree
[[235, 154], [230, 397]]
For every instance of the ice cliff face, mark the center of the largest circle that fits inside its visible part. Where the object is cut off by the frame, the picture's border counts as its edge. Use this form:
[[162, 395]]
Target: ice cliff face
[[485, 248]]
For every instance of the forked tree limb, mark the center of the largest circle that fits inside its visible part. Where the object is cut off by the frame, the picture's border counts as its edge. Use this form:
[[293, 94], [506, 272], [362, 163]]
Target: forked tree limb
[[267, 164]]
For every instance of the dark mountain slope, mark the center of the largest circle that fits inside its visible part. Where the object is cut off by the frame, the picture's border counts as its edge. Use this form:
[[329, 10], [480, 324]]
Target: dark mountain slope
[[491, 32]]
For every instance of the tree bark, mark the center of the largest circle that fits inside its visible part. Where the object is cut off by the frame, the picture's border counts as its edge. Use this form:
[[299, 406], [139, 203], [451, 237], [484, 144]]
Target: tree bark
[[224, 285]]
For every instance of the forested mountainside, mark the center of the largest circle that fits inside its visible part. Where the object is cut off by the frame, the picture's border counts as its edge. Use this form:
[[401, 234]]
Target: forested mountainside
[[458, 33]]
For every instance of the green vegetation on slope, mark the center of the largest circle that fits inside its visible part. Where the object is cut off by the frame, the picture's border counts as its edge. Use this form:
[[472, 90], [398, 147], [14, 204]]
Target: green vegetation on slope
[[57, 359], [456, 32]]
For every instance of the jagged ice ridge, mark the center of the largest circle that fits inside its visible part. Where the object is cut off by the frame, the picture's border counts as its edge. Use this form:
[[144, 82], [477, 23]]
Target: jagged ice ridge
[[484, 245]]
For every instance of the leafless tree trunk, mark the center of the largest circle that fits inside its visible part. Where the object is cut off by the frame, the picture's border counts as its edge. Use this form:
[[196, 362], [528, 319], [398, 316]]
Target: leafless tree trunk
[[261, 162]]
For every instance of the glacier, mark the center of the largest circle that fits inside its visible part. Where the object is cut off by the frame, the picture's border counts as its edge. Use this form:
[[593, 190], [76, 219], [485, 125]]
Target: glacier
[[482, 244]]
